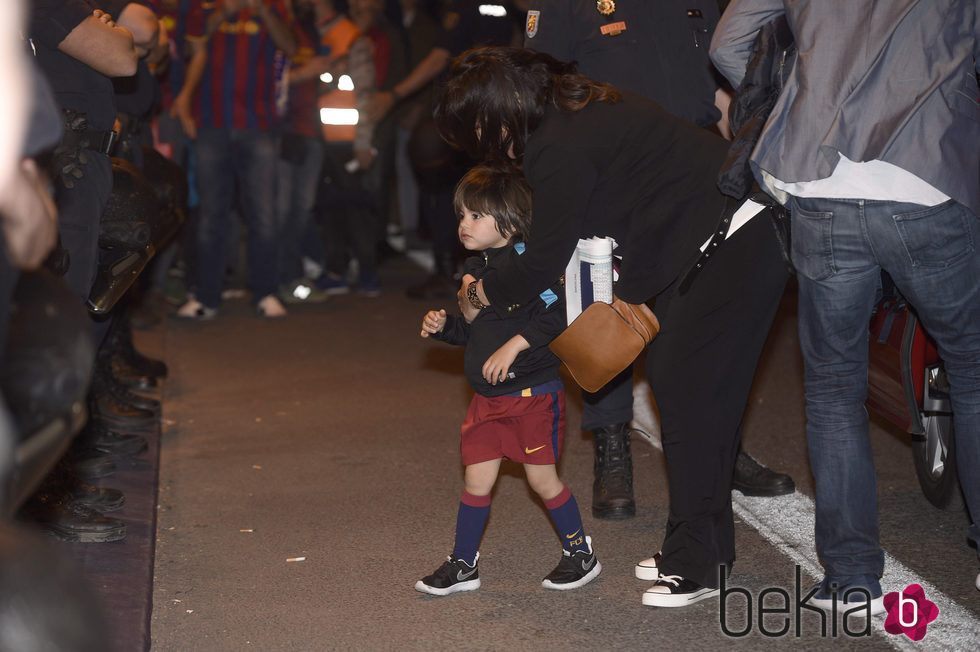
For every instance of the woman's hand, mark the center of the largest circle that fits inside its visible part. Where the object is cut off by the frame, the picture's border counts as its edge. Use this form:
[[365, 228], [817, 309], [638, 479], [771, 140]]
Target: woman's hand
[[468, 310], [498, 364], [433, 322]]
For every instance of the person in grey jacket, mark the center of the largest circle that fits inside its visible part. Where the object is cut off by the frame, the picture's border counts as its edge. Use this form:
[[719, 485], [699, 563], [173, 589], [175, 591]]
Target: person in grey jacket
[[873, 145]]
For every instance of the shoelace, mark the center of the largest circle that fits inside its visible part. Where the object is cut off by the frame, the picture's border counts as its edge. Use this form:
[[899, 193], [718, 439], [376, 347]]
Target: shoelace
[[673, 579]]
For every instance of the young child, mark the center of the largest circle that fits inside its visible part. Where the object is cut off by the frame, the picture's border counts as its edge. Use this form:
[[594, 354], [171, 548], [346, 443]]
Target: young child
[[518, 410]]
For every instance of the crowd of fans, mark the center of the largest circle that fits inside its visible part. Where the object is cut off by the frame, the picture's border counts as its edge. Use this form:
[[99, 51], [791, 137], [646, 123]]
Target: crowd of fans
[[137, 143], [142, 143]]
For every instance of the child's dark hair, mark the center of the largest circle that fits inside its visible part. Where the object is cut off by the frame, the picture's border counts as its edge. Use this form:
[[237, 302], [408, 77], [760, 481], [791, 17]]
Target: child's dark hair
[[501, 192]]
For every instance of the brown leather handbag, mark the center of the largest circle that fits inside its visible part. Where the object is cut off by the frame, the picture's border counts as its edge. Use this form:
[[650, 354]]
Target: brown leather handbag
[[604, 340]]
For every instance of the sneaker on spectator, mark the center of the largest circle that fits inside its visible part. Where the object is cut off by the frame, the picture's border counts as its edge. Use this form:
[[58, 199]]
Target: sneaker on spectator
[[369, 285], [574, 570], [270, 307], [332, 284], [849, 593], [194, 309], [675, 591], [302, 291], [454, 575]]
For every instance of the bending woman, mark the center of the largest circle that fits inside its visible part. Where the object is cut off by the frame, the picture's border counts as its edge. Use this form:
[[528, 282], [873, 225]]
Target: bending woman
[[606, 162]]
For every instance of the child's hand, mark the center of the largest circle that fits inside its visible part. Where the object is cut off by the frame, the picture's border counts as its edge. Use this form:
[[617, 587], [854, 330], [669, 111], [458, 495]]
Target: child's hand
[[498, 364], [433, 322]]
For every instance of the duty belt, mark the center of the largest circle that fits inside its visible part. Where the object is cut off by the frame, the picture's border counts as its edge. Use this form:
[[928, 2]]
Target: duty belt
[[100, 141]]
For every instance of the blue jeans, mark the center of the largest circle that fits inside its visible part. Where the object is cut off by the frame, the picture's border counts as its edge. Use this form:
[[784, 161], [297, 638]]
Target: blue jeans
[[299, 180], [242, 160], [839, 250]]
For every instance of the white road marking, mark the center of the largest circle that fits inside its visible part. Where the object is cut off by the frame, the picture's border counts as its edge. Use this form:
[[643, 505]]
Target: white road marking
[[787, 523]]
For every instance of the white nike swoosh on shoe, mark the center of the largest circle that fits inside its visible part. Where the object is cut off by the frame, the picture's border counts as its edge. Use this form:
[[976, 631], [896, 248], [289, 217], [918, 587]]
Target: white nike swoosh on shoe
[[588, 566], [461, 577]]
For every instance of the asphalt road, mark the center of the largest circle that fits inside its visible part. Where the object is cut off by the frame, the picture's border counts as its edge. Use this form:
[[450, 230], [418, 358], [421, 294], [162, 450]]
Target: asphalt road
[[310, 475]]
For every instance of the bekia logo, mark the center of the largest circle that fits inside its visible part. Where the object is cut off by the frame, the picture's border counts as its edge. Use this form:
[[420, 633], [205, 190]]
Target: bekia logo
[[777, 612], [909, 612]]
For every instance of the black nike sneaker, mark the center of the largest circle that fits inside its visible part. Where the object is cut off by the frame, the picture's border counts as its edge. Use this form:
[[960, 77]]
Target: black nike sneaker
[[453, 576], [574, 570]]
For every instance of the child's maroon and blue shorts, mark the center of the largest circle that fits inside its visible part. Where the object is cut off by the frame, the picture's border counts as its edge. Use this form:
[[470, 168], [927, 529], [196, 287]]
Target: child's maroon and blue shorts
[[526, 427]]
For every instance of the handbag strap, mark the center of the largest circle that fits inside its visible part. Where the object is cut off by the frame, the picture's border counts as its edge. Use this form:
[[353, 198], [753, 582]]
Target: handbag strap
[[719, 235]]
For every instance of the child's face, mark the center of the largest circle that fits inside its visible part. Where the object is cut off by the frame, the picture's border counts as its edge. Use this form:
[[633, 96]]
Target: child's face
[[478, 231]]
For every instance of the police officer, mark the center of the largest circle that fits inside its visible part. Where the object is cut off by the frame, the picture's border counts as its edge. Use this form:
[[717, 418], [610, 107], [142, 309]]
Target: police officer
[[465, 24], [658, 49], [79, 48]]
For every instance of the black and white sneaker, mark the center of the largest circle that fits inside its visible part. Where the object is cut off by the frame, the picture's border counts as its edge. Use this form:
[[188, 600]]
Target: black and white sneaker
[[453, 576], [574, 570], [648, 569], [675, 591]]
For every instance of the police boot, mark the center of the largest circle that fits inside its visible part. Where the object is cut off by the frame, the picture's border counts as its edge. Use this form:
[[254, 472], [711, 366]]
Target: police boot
[[125, 351], [119, 389], [105, 408], [612, 490], [69, 520]]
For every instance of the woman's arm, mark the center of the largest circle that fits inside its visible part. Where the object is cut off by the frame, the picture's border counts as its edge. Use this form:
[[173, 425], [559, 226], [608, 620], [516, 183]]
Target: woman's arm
[[562, 180]]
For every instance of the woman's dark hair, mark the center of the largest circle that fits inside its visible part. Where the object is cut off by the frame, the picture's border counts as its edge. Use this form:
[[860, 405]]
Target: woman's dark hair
[[496, 97], [498, 190]]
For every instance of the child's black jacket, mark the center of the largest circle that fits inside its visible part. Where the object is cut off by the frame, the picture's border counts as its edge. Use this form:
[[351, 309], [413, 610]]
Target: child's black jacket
[[537, 321]]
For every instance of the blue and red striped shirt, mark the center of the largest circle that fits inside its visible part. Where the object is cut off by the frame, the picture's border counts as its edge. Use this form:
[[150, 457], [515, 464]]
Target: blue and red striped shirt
[[244, 67]]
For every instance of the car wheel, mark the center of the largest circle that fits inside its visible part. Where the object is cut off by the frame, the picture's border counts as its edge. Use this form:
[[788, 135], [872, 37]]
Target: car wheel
[[935, 461]]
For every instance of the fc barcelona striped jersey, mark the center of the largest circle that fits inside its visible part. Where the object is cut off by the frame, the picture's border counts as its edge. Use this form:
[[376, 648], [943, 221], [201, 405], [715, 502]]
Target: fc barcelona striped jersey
[[244, 67]]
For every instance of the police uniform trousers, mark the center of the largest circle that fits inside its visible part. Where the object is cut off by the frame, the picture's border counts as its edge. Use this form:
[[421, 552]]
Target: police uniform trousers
[[79, 215]]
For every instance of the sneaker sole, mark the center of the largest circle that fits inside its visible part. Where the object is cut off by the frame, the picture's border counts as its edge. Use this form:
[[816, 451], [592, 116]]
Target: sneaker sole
[[648, 569], [651, 574], [592, 574], [678, 600], [471, 585]]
